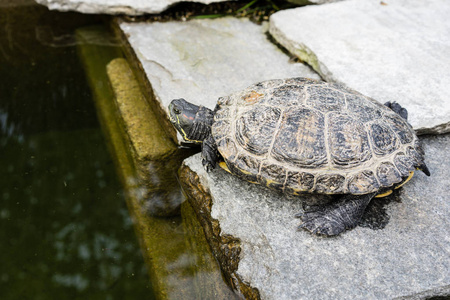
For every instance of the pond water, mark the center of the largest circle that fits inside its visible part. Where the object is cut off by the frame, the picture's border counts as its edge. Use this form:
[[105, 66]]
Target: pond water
[[65, 231]]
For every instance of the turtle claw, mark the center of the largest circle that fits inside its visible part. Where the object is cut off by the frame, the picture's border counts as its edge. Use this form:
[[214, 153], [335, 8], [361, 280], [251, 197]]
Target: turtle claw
[[314, 228], [325, 221], [301, 226], [333, 219], [208, 165], [321, 224], [401, 111]]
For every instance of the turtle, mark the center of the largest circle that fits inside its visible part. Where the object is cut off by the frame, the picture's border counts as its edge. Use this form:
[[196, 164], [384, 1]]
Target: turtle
[[304, 136]]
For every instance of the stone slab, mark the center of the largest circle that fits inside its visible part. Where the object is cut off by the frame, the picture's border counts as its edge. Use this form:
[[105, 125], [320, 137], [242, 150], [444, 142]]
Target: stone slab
[[408, 259], [201, 60], [395, 50], [115, 7]]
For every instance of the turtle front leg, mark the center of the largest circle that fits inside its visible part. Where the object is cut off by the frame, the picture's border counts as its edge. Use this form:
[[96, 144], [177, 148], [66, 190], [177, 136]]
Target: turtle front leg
[[210, 155], [400, 110], [337, 217]]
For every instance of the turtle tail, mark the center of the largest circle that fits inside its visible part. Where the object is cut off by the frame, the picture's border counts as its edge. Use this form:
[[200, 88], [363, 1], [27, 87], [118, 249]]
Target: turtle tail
[[423, 167]]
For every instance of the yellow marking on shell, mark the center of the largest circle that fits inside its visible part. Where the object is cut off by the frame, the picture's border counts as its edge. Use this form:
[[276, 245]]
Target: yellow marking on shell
[[252, 97], [224, 166], [384, 194], [184, 134], [245, 172], [270, 181], [248, 173], [295, 192], [407, 179]]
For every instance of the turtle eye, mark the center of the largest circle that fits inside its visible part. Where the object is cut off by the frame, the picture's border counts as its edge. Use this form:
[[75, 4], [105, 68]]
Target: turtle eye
[[176, 111]]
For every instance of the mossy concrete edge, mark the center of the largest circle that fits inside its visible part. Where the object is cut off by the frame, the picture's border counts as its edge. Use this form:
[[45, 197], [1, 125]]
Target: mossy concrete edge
[[141, 76], [152, 233], [146, 136], [209, 282], [206, 282], [225, 248]]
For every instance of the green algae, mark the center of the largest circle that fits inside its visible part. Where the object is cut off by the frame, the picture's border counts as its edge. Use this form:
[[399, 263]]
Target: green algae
[[146, 136]]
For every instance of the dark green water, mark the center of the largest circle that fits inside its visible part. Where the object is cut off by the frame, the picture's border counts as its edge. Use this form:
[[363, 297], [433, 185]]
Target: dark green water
[[65, 232]]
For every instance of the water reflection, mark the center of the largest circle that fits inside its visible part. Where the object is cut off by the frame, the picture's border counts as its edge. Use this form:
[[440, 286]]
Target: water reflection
[[65, 231], [161, 194], [46, 36], [64, 223]]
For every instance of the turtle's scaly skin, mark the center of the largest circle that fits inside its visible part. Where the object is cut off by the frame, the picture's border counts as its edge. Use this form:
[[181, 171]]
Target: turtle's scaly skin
[[305, 136]]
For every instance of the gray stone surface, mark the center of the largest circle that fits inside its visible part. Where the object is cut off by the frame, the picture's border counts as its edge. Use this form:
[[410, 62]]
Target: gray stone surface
[[395, 50], [114, 7], [201, 60], [409, 258]]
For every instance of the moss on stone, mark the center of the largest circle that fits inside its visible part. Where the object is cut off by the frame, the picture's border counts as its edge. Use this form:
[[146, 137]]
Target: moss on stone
[[148, 139]]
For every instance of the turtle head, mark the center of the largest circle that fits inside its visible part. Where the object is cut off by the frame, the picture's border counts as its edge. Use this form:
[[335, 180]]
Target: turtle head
[[193, 122]]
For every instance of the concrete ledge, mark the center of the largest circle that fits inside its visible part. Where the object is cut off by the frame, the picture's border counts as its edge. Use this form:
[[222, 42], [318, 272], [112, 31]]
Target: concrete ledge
[[139, 120]]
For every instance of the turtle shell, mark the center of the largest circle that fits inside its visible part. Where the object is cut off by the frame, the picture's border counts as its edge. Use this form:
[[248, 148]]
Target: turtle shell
[[301, 135]]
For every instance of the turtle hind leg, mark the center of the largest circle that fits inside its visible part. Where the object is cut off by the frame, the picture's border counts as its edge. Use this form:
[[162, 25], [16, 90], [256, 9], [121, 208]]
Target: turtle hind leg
[[400, 110], [337, 217]]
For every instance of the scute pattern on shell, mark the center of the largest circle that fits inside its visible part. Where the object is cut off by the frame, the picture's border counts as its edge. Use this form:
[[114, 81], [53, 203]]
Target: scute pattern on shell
[[302, 135]]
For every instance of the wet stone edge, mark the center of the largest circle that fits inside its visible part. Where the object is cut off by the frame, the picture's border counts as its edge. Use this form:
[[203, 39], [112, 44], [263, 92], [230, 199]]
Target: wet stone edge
[[141, 76], [225, 248]]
